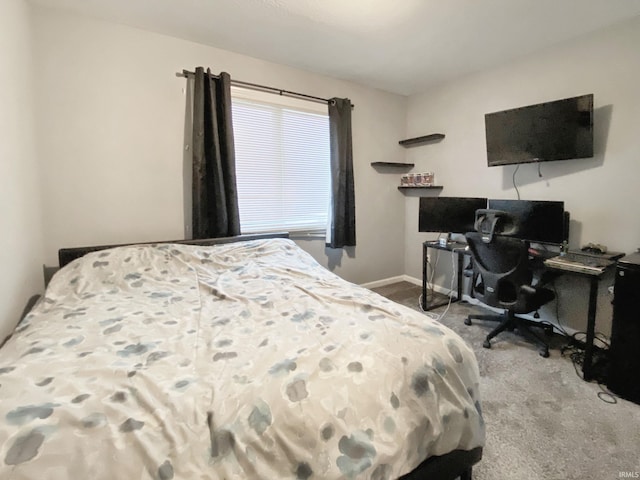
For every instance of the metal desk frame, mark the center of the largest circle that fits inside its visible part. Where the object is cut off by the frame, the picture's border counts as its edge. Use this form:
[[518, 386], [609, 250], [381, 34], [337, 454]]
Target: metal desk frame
[[454, 247], [594, 279]]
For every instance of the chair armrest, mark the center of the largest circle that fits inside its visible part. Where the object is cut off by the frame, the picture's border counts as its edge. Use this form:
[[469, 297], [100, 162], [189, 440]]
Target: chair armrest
[[528, 290]]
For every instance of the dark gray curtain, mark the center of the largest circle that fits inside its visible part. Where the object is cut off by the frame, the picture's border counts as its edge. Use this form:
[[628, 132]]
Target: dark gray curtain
[[341, 231], [215, 197]]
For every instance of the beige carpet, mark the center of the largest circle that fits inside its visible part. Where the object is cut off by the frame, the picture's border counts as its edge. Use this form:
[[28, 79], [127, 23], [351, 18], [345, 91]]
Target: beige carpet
[[543, 421]]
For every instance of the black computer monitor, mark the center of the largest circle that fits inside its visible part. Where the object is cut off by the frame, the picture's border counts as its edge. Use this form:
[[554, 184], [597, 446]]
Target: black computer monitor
[[448, 214], [537, 220]]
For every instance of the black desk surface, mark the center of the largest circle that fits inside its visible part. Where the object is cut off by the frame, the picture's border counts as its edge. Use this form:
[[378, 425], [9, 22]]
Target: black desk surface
[[632, 260], [450, 246]]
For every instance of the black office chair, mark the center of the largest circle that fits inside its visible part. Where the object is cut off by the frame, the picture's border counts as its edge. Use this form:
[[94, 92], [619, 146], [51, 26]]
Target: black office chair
[[502, 278]]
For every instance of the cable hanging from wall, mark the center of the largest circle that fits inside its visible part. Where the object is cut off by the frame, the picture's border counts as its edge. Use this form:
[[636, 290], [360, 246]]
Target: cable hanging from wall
[[513, 179]]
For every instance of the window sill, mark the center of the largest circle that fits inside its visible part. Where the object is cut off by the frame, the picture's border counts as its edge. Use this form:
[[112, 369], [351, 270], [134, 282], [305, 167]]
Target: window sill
[[308, 234], [301, 234]]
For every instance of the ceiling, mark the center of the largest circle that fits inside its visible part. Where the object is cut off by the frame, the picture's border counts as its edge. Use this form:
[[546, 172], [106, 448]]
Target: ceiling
[[402, 46]]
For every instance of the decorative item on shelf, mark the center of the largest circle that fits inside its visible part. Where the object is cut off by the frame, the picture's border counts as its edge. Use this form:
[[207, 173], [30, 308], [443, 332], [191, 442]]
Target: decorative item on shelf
[[417, 179]]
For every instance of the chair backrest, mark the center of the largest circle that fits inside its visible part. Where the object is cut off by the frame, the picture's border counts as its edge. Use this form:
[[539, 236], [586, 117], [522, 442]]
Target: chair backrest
[[490, 222], [501, 267]]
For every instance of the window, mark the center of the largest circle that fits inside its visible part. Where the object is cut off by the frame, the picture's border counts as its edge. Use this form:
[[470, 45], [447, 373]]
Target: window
[[282, 163]]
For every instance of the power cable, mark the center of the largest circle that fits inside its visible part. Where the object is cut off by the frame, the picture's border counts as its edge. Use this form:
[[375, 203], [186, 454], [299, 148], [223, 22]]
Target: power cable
[[513, 179]]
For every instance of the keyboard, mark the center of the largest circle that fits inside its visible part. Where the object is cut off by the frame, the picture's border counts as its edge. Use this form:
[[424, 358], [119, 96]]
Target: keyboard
[[577, 262]]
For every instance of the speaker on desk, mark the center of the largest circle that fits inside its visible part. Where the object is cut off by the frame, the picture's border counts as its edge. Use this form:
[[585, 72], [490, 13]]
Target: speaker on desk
[[624, 353]]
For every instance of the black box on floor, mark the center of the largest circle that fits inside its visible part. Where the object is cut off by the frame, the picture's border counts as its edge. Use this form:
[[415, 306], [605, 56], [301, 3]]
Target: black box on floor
[[623, 378]]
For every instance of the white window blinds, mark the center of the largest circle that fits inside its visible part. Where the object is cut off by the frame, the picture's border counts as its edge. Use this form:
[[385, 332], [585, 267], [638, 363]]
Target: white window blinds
[[282, 166]]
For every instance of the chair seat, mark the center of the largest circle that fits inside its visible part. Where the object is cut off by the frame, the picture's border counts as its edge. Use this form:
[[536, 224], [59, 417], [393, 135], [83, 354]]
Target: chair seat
[[530, 299]]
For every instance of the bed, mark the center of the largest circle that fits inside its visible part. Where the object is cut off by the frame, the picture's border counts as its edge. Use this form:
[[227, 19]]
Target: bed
[[244, 360]]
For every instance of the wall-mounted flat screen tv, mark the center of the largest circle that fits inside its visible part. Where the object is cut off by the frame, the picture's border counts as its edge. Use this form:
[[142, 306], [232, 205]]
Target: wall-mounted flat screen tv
[[557, 130]]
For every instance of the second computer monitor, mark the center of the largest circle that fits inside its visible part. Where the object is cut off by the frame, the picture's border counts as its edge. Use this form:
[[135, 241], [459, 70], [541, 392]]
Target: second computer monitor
[[537, 220], [448, 214]]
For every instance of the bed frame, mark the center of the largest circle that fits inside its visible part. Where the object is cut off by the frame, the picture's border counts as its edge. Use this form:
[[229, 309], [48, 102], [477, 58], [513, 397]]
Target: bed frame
[[454, 465]]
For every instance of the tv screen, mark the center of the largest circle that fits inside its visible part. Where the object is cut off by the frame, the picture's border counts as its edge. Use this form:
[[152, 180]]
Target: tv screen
[[558, 130], [448, 214], [537, 220]]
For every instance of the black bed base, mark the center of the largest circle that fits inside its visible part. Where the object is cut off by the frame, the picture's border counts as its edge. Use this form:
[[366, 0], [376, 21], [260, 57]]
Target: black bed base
[[453, 465], [66, 255]]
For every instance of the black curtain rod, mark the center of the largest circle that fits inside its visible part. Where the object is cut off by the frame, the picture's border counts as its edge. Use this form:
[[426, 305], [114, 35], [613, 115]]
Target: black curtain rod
[[264, 88]]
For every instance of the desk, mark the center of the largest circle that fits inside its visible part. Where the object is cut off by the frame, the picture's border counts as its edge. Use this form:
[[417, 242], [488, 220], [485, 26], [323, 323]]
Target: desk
[[454, 247], [594, 278]]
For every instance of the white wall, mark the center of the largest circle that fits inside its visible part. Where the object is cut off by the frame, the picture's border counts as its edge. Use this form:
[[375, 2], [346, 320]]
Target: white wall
[[21, 254], [111, 120], [601, 193]]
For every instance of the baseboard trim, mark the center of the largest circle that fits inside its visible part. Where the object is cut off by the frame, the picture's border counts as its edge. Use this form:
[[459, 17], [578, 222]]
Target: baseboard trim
[[402, 278], [391, 280], [465, 297]]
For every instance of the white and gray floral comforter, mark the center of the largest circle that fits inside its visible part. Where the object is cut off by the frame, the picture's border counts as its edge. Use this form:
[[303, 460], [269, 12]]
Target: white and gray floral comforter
[[239, 361]]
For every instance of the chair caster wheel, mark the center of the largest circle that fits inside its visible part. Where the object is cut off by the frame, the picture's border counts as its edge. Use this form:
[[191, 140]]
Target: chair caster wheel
[[544, 353], [467, 321], [486, 344]]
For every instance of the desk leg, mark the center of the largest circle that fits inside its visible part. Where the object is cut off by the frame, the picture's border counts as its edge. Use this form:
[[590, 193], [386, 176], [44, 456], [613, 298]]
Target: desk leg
[[591, 329], [460, 265], [424, 277]]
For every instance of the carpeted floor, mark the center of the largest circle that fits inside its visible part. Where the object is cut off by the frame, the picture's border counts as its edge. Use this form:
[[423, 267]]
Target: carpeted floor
[[543, 421]]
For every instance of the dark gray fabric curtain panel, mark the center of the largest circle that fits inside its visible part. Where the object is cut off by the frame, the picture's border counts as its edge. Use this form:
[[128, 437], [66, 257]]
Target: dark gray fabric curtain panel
[[215, 196], [342, 226]]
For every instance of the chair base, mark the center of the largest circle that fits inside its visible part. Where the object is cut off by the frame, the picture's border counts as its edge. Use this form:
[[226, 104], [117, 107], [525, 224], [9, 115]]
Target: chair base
[[509, 321]]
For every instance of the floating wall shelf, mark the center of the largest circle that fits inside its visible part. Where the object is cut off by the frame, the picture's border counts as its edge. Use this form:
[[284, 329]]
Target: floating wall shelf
[[392, 164], [421, 187], [410, 142]]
